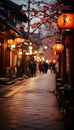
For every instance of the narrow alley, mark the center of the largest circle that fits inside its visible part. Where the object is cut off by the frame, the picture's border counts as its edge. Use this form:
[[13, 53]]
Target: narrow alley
[[36, 64], [32, 105]]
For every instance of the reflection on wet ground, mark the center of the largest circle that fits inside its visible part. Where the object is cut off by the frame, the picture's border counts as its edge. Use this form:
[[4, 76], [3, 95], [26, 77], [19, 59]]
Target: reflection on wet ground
[[32, 106]]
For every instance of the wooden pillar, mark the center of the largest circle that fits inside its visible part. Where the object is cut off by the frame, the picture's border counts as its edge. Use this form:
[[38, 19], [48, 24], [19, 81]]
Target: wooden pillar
[[72, 59], [3, 58], [63, 63], [66, 58], [59, 65]]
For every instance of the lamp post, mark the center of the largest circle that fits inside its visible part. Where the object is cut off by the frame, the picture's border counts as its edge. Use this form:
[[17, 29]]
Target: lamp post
[[66, 23], [58, 47]]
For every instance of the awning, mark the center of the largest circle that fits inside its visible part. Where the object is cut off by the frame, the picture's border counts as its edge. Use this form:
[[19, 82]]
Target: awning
[[10, 24], [11, 5], [16, 9]]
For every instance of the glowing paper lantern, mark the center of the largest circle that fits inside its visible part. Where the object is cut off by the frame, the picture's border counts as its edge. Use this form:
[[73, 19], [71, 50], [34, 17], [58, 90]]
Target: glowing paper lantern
[[18, 40], [66, 20], [10, 41], [58, 47]]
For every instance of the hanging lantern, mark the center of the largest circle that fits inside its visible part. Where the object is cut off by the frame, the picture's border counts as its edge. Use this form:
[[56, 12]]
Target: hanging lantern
[[18, 40], [66, 20], [58, 47], [10, 41]]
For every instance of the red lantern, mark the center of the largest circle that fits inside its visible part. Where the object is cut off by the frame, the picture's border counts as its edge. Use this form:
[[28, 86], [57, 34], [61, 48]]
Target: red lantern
[[58, 47], [66, 20]]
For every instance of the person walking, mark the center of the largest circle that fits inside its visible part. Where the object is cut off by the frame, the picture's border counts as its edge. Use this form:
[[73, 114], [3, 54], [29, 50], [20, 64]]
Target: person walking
[[40, 67], [52, 67], [32, 68]]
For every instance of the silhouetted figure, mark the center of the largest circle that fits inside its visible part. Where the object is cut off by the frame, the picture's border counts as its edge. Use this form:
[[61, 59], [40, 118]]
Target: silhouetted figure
[[32, 68], [46, 67], [52, 67], [43, 67], [40, 67]]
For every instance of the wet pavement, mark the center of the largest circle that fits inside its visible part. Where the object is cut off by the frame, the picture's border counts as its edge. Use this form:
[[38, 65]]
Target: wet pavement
[[30, 104]]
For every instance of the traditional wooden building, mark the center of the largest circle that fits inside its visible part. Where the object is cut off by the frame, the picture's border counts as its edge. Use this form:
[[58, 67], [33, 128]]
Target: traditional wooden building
[[10, 17]]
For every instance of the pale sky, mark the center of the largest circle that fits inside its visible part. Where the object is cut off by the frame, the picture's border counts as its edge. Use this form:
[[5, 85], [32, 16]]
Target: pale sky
[[22, 1], [34, 20], [44, 32]]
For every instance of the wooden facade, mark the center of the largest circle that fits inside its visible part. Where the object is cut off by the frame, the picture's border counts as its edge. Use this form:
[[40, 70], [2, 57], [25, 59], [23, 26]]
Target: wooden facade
[[8, 22]]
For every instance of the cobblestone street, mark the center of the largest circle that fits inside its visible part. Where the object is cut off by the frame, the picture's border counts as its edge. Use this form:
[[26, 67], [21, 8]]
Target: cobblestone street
[[31, 105]]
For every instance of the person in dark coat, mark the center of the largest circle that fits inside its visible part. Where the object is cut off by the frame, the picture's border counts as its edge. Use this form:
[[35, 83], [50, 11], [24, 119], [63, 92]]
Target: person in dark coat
[[32, 68], [40, 67], [52, 67]]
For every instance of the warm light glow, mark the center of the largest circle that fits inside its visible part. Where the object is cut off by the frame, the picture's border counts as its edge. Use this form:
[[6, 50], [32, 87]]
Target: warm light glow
[[30, 50], [20, 53], [25, 43], [30, 47], [18, 40], [45, 47], [10, 41], [30, 43], [42, 58], [54, 61], [66, 20], [35, 52], [35, 57], [47, 61], [12, 46], [27, 53], [58, 47], [54, 52], [22, 40]]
